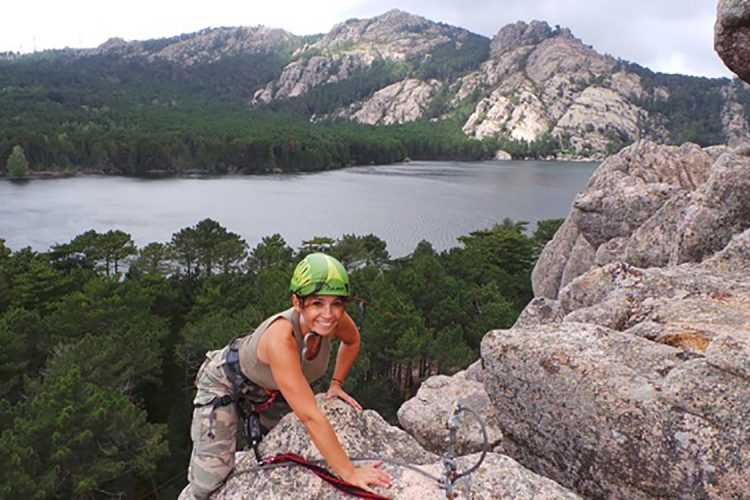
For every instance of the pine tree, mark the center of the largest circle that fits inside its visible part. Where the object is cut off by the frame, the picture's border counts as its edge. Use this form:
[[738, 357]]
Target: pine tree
[[17, 164]]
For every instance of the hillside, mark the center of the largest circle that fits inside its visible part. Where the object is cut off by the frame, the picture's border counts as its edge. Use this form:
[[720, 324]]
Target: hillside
[[256, 99]]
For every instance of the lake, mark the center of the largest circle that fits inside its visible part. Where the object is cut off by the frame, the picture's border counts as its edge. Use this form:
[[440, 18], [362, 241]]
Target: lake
[[402, 204]]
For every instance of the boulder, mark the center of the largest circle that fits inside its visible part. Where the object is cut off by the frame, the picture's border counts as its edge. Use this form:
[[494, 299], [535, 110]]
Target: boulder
[[366, 434], [425, 415], [649, 205], [502, 155], [614, 415], [519, 34], [732, 35], [540, 311]]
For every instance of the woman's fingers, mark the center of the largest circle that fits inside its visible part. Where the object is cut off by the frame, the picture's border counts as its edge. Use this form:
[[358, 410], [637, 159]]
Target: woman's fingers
[[353, 402], [370, 474], [380, 477], [338, 392]]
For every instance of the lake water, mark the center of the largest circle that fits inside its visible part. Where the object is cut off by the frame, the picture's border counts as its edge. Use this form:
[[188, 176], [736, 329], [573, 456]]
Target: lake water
[[402, 204]]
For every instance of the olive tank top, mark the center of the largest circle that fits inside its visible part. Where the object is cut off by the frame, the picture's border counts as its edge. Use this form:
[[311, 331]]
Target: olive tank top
[[260, 373]]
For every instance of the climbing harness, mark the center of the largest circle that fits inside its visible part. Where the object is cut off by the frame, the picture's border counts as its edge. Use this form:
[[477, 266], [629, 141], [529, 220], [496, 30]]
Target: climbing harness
[[248, 406]]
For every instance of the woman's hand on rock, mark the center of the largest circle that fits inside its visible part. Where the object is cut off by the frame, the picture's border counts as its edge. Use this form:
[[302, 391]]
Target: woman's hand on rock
[[336, 391], [369, 474]]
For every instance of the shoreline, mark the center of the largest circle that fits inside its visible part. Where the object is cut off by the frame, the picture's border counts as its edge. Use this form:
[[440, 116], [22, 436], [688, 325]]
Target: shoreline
[[200, 174]]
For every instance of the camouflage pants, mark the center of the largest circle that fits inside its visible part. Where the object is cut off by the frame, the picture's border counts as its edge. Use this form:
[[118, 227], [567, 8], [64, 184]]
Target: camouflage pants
[[215, 430]]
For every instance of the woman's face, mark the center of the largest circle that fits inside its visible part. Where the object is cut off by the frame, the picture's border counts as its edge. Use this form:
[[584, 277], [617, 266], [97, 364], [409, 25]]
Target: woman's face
[[321, 313]]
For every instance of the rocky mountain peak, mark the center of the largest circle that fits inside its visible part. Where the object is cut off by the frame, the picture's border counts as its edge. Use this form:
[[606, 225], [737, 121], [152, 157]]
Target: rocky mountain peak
[[392, 21], [213, 44], [113, 43], [394, 34], [519, 34]]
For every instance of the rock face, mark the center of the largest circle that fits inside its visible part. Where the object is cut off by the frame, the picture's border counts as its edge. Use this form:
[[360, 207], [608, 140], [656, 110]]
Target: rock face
[[648, 206], [400, 102], [628, 376], [732, 35], [366, 434], [547, 81]]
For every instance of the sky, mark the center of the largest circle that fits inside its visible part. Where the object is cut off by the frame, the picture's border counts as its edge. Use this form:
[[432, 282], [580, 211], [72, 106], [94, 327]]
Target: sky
[[670, 36]]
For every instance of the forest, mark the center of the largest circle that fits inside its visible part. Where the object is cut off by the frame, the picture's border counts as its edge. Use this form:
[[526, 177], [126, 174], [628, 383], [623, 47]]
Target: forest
[[131, 116], [102, 339]]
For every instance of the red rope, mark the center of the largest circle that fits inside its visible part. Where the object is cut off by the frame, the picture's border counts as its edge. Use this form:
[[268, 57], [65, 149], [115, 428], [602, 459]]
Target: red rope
[[325, 475]]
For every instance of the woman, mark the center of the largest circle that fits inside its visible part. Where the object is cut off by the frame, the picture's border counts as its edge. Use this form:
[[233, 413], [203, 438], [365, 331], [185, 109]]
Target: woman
[[285, 353]]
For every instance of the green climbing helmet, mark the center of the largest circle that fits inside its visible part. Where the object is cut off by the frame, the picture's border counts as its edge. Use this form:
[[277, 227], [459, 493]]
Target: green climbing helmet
[[321, 274]]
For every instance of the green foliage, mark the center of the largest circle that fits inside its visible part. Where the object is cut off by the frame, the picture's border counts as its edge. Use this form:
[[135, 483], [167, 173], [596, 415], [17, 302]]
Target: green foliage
[[449, 60], [152, 260], [92, 249], [692, 108], [75, 439], [17, 164], [355, 251], [207, 246], [18, 329], [272, 251]]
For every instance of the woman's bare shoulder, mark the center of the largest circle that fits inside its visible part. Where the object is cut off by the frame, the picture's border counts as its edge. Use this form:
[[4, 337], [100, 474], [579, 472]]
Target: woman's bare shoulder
[[278, 335]]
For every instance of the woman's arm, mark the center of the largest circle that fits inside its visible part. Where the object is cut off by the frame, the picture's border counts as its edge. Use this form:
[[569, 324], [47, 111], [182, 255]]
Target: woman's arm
[[348, 334], [280, 349]]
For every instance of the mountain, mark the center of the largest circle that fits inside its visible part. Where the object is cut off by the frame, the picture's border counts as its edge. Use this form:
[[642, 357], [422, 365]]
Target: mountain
[[432, 91]]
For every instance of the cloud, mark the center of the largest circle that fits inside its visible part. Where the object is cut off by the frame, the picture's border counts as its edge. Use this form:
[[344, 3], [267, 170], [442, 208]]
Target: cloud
[[664, 35]]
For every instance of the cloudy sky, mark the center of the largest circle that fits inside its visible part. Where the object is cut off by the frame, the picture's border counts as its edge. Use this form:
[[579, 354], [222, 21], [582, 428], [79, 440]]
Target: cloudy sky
[[672, 36]]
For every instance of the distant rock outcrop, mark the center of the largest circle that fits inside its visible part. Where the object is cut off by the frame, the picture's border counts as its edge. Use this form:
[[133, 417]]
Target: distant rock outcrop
[[400, 102], [203, 47], [548, 81], [213, 44], [354, 45]]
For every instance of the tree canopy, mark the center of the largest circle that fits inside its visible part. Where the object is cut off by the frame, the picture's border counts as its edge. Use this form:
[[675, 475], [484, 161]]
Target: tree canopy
[[101, 339]]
